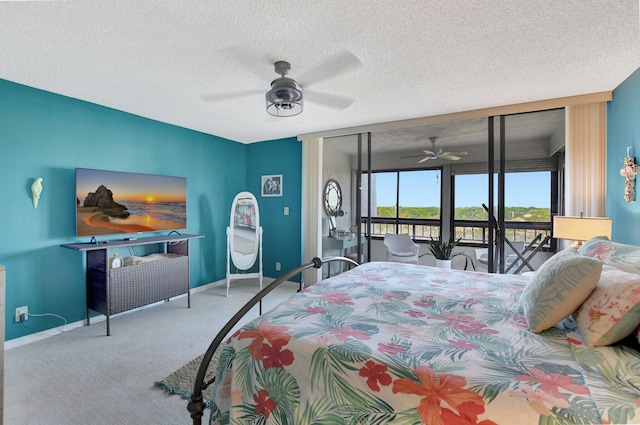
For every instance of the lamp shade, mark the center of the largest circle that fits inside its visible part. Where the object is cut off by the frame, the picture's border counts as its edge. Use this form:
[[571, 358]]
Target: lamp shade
[[581, 228]]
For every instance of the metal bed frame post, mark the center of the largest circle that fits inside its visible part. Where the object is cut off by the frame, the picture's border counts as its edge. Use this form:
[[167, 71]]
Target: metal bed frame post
[[197, 404]]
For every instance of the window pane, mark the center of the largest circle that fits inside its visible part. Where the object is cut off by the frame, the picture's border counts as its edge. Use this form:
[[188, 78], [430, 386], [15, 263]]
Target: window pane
[[384, 194], [527, 196], [527, 200], [471, 192], [420, 194]]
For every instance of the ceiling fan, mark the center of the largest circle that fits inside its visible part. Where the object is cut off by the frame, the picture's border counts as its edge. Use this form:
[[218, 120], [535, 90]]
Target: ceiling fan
[[286, 96], [439, 154]]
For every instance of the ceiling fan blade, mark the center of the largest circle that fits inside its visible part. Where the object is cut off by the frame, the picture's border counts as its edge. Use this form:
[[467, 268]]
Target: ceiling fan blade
[[455, 153], [330, 100], [337, 64], [250, 60], [428, 152], [219, 97], [411, 156], [426, 158], [447, 155]]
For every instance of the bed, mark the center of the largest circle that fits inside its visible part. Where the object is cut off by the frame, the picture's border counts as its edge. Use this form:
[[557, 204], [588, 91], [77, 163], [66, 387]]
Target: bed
[[391, 343]]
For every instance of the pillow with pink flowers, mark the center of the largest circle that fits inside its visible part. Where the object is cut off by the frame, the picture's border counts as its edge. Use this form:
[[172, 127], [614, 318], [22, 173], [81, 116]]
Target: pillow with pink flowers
[[618, 255], [612, 311]]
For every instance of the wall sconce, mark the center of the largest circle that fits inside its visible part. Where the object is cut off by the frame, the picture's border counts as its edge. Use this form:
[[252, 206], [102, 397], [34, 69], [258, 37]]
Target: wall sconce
[[580, 229], [36, 190], [629, 172]]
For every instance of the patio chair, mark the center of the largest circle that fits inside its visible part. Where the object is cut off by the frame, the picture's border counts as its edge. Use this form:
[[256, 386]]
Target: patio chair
[[510, 256], [515, 251], [401, 248]]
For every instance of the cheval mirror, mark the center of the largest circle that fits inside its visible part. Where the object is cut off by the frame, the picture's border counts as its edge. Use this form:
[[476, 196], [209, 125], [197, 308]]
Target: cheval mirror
[[244, 239]]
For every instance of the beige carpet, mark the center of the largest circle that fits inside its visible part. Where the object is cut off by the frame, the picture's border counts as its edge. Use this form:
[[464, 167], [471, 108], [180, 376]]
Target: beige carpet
[[84, 377]]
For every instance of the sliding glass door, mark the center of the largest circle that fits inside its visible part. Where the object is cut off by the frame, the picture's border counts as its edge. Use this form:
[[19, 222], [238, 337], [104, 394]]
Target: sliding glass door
[[405, 181]]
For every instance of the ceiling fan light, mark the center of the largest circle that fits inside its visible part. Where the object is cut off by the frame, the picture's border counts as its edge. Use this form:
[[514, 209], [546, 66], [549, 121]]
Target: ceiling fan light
[[285, 98]]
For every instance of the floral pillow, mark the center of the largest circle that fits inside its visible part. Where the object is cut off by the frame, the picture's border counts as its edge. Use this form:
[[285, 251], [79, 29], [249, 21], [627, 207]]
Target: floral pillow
[[558, 288], [620, 256], [612, 311]]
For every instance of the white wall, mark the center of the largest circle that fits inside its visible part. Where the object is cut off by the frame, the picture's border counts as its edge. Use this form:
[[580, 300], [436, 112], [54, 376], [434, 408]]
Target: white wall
[[337, 166]]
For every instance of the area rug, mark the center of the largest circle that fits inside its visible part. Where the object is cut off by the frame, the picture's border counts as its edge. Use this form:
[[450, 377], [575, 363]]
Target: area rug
[[181, 381], [243, 245]]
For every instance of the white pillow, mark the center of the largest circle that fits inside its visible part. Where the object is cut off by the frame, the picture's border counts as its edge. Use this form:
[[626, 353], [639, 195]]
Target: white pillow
[[612, 311], [558, 288], [621, 256]]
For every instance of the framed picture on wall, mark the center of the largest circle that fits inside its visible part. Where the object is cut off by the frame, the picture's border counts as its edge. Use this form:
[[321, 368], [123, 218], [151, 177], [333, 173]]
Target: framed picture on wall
[[272, 185]]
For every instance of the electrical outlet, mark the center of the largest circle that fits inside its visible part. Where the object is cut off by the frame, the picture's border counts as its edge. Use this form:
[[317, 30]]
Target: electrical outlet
[[20, 311], [278, 266]]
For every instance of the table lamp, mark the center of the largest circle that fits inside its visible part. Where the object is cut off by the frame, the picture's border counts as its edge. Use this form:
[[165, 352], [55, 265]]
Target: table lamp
[[580, 229]]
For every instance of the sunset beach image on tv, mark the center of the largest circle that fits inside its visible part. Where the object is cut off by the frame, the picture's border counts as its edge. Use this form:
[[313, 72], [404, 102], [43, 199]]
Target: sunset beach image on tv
[[112, 202]]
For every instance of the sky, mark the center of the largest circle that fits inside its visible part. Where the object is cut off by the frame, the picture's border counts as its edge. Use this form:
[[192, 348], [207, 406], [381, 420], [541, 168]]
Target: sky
[[131, 186], [422, 189]]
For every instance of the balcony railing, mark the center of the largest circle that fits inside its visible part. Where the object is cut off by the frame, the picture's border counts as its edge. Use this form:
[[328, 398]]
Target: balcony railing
[[418, 229], [472, 232]]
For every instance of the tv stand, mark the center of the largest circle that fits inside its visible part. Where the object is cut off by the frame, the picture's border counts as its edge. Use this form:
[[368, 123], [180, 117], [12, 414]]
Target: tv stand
[[114, 290]]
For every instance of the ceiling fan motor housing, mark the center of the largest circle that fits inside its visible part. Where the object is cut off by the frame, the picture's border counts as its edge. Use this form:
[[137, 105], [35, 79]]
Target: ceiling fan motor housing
[[285, 98]]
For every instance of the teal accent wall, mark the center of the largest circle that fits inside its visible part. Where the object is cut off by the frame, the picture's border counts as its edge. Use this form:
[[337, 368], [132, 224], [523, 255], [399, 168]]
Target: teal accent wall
[[623, 130], [282, 234], [47, 135]]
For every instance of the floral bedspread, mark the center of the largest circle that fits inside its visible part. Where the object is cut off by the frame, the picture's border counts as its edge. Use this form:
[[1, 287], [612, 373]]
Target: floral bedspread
[[401, 344]]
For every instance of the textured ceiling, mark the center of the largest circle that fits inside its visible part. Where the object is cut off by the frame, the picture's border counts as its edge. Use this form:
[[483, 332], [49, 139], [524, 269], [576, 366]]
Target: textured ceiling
[[162, 59]]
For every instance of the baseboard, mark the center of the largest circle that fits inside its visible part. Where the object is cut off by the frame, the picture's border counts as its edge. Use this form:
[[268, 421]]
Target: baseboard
[[57, 330]]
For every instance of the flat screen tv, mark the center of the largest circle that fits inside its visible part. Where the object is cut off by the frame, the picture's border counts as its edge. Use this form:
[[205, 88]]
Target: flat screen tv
[[115, 202]]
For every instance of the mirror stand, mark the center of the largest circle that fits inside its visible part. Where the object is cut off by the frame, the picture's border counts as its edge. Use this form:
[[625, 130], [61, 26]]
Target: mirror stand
[[237, 276], [244, 239]]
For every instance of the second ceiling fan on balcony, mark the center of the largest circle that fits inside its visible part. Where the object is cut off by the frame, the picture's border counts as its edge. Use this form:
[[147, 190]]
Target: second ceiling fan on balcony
[[437, 154]]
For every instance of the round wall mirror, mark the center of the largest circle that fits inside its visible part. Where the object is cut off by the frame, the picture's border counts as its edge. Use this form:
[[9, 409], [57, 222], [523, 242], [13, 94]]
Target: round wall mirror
[[332, 198]]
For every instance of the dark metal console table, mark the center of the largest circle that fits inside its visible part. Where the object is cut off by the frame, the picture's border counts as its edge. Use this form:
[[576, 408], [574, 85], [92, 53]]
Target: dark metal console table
[[114, 290]]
